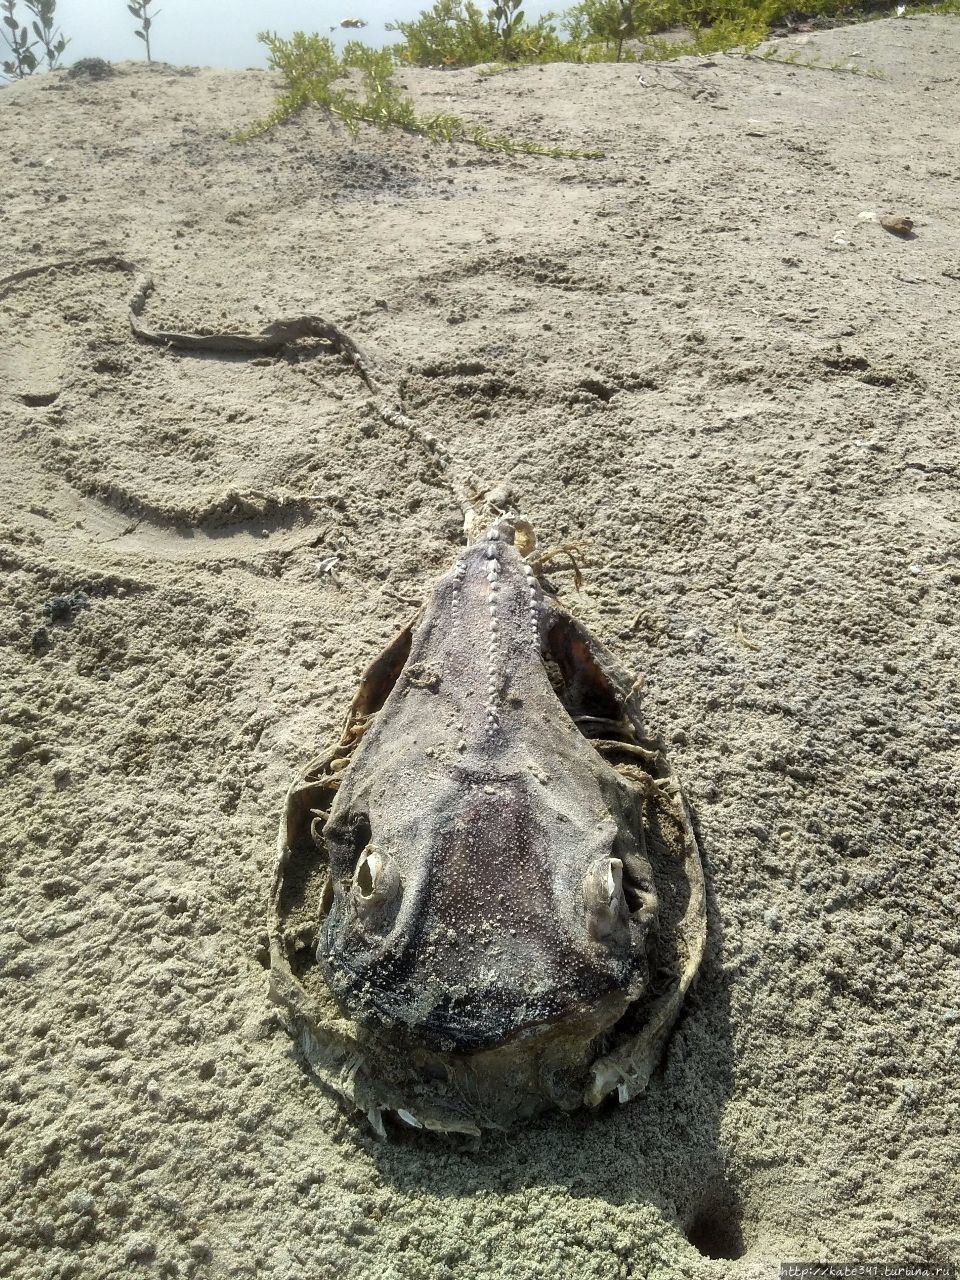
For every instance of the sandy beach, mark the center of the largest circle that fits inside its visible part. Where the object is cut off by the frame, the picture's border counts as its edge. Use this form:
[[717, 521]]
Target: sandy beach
[[703, 358]]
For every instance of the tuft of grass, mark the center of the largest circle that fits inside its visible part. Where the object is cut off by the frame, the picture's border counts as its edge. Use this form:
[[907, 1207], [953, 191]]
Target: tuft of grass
[[314, 75], [793, 59]]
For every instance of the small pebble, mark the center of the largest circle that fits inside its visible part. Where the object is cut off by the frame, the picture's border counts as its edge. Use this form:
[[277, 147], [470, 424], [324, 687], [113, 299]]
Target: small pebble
[[897, 225]]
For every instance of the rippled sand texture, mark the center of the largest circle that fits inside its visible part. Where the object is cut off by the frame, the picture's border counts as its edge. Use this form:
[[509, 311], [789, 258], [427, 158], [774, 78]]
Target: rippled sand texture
[[696, 355]]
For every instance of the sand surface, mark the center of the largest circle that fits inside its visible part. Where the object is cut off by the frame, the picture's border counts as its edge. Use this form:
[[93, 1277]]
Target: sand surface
[[697, 357]]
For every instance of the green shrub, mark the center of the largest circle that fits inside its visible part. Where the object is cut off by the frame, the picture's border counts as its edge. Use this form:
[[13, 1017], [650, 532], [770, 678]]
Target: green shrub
[[450, 34], [313, 74], [457, 33], [611, 23], [712, 25], [358, 86]]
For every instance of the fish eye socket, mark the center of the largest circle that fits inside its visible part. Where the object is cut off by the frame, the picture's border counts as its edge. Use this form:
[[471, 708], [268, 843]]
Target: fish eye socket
[[376, 880], [614, 878], [366, 874], [604, 901]]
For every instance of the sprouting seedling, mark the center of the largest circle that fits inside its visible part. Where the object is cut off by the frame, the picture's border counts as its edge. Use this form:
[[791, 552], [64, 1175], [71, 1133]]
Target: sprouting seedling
[[52, 41], [507, 18], [17, 39], [139, 10]]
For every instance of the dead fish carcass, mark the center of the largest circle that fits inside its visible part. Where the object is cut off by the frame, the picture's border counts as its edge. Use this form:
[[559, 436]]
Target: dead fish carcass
[[489, 898]]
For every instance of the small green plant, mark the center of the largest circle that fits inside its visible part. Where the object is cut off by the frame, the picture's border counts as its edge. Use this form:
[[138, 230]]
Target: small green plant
[[139, 9], [52, 42], [18, 40], [507, 18], [456, 33], [793, 59], [451, 34], [508, 30], [611, 23], [313, 75]]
